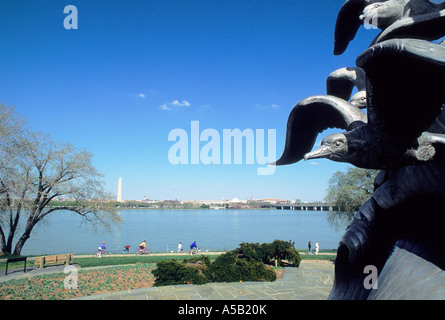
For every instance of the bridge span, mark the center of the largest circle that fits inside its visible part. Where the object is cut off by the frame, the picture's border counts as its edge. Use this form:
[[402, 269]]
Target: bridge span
[[307, 207]]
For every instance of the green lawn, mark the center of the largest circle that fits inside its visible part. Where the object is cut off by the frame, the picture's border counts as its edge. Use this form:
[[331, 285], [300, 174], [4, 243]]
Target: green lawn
[[110, 260], [120, 260]]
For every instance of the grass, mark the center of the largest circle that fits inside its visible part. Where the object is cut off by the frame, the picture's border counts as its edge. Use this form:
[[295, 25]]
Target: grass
[[111, 260], [120, 260], [328, 255], [329, 251], [318, 257], [108, 260]]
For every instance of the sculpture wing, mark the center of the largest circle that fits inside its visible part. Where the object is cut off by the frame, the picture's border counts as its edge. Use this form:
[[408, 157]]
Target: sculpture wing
[[312, 116], [428, 26], [348, 23], [341, 82], [405, 87]]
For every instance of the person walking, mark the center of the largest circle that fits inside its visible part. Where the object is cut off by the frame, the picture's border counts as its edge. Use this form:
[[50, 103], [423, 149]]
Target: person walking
[[309, 246], [180, 247], [317, 247]]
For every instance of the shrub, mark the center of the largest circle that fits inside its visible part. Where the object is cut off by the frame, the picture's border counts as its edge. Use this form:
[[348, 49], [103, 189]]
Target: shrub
[[230, 267], [268, 252], [246, 263], [168, 273], [283, 250], [187, 271], [251, 251]]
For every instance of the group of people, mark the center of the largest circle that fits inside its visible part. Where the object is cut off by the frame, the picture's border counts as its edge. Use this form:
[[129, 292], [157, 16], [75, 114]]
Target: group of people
[[193, 247], [143, 248], [317, 247], [309, 245]]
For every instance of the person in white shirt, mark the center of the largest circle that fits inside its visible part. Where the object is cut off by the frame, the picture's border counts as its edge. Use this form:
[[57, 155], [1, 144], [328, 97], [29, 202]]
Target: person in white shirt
[[317, 247]]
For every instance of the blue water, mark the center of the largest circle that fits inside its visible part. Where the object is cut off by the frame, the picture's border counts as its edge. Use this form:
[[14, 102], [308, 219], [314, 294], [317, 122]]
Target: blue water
[[164, 229]]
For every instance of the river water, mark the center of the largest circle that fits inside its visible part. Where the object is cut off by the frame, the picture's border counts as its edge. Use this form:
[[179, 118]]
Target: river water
[[164, 229]]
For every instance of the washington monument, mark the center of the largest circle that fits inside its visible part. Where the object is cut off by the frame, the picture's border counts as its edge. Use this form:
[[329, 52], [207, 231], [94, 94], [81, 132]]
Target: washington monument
[[119, 190]]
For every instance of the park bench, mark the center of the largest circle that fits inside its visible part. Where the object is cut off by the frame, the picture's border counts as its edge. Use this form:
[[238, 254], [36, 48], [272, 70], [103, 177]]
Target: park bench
[[15, 260], [54, 259]]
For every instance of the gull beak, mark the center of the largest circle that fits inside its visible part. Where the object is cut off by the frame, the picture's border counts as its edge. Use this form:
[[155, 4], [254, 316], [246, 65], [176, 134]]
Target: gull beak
[[323, 152]]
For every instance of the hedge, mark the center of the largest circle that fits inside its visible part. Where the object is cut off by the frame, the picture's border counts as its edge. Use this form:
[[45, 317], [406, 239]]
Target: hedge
[[246, 263]]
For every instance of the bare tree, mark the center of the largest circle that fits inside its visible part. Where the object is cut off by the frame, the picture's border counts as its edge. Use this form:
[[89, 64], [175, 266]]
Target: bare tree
[[35, 171]]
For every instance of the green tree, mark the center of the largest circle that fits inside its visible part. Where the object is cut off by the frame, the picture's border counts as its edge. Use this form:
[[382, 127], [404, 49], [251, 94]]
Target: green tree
[[349, 190], [268, 252], [36, 171]]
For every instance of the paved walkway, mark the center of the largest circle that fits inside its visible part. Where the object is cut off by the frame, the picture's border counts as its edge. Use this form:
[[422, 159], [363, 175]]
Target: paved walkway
[[313, 280]]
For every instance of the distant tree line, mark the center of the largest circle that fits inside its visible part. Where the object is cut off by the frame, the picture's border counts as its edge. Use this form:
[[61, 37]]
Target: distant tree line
[[131, 204]]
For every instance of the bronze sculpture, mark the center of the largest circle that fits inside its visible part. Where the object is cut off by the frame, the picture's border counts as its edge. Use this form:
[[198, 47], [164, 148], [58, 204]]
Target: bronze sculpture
[[420, 19], [402, 133]]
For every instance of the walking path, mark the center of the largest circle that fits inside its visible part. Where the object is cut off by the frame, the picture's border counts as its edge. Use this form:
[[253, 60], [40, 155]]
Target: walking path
[[313, 280]]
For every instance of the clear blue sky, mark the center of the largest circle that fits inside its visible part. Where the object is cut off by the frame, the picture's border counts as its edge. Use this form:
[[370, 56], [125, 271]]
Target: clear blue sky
[[110, 86]]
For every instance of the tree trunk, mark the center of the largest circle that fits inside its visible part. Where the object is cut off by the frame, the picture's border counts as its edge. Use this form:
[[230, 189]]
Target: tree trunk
[[10, 239], [25, 236], [4, 247], [21, 242]]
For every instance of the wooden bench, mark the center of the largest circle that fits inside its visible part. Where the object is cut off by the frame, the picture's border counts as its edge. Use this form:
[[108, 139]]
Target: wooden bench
[[54, 259], [15, 260]]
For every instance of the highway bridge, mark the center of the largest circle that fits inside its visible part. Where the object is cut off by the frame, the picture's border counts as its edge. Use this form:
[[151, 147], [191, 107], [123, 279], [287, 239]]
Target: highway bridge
[[307, 207]]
